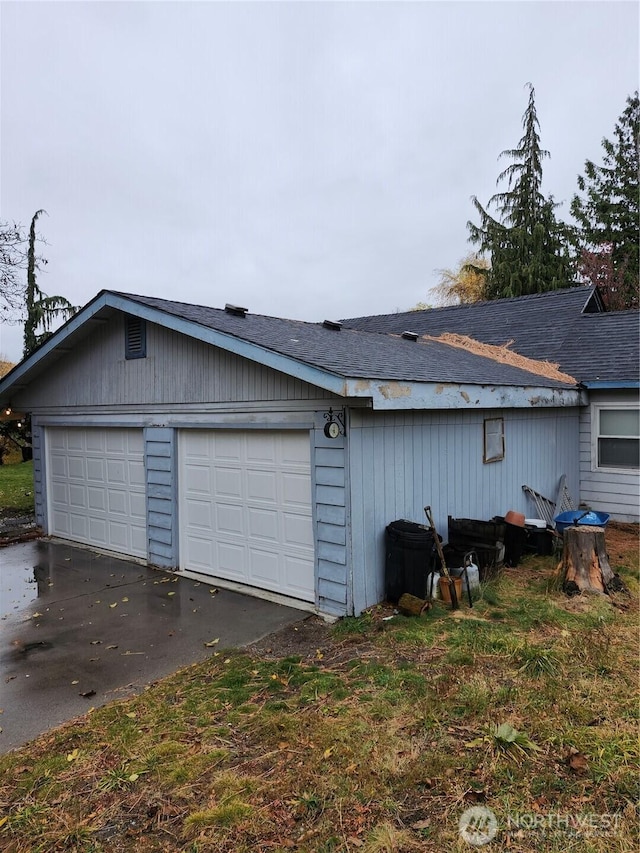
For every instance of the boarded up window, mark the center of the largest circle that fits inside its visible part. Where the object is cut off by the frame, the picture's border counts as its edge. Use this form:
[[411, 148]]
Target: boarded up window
[[493, 439]]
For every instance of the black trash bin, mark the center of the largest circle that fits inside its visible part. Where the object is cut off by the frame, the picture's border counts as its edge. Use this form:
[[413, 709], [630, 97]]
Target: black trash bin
[[409, 559], [515, 542]]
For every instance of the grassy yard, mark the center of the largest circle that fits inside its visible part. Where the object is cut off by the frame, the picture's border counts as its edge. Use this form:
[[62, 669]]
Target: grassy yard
[[375, 736], [16, 487]]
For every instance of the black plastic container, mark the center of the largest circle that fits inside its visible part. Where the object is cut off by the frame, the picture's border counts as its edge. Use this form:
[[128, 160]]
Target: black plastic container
[[515, 542], [409, 559], [539, 540], [476, 530], [486, 538]]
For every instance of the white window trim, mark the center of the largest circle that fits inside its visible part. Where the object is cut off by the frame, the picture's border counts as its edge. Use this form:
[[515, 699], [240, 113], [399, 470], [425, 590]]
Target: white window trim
[[596, 408]]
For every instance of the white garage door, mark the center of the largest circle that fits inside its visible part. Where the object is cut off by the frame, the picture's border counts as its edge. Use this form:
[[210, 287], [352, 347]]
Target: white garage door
[[245, 508], [96, 488]]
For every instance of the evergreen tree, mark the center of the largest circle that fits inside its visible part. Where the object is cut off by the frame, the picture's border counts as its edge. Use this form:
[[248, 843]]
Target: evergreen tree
[[41, 310], [608, 214], [526, 244]]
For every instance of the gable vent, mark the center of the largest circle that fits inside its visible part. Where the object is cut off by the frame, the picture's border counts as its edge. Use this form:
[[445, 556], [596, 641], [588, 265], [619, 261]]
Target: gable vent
[[410, 336], [135, 338], [332, 324], [235, 310]]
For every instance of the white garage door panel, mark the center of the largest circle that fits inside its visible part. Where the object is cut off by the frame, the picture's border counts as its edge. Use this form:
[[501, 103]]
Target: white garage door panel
[[245, 508], [96, 486]]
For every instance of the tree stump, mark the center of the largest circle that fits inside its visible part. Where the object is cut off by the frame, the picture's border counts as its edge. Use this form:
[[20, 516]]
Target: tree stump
[[585, 564]]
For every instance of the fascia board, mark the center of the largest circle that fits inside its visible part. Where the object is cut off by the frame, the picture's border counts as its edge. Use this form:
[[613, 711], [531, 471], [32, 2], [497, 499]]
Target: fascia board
[[393, 395], [612, 384]]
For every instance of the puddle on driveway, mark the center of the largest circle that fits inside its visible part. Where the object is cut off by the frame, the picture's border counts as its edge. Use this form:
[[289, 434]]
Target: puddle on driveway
[[21, 582]]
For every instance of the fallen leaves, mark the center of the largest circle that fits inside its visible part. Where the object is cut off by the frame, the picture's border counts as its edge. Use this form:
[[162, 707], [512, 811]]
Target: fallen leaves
[[212, 643], [577, 761]]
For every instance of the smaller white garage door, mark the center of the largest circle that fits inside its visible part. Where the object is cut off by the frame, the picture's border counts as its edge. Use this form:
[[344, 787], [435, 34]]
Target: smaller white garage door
[[96, 488], [245, 508]]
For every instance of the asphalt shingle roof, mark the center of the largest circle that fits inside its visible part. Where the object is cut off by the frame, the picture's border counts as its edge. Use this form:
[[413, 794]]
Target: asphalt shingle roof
[[551, 326], [353, 353]]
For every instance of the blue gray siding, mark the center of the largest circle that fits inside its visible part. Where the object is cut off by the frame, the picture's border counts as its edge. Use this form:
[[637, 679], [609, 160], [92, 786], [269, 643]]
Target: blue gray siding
[[615, 492], [331, 516], [160, 469], [399, 463], [177, 370], [39, 483]]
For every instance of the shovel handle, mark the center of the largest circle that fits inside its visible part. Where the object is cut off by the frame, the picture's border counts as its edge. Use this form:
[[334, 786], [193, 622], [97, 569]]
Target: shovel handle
[[445, 570]]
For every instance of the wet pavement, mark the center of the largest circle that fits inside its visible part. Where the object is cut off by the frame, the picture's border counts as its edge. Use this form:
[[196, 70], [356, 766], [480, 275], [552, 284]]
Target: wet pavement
[[79, 629]]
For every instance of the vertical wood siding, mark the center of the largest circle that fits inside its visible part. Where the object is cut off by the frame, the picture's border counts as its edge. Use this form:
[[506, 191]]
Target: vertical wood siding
[[37, 442], [331, 516], [398, 463], [177, 369], [615, 492], [160, 469]]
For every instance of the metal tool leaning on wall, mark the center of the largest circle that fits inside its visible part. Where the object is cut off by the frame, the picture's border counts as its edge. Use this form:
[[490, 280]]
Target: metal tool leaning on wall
[[445, 570]]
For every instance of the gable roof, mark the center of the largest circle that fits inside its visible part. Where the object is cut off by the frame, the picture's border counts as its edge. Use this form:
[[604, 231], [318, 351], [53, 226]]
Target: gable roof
[[392, 371], [567, 327]]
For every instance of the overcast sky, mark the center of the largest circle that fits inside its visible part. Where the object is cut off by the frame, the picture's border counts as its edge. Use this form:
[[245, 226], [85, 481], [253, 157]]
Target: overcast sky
[[305, 160]]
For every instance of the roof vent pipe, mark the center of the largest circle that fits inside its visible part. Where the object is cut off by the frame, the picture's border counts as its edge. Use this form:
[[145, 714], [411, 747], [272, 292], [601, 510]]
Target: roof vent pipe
[[235, 310], [332, 324], [410, 336]]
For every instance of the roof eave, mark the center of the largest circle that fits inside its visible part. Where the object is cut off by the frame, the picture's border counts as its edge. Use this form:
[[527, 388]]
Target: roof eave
[[396, 395], [612, 384]]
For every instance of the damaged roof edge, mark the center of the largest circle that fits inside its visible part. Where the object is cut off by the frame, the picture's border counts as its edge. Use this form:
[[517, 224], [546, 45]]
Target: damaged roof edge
[[431, 395]]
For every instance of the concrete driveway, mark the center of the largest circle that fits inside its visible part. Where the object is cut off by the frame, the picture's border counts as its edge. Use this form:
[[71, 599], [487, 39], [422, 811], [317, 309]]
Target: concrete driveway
[[79, 629]]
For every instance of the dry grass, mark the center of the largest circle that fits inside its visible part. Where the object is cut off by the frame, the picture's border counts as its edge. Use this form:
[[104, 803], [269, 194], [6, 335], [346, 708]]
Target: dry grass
[[504, 355], [376, 740]]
